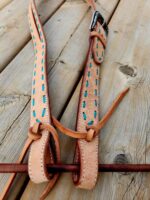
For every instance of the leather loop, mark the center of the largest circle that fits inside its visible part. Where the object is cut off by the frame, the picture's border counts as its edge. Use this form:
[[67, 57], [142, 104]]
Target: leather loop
[[90, 135], [67, 131], [41, 152], [34, 132], [94, 34]]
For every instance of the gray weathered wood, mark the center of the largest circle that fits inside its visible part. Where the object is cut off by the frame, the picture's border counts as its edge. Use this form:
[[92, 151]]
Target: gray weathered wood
[[4, 3], [14, 29]]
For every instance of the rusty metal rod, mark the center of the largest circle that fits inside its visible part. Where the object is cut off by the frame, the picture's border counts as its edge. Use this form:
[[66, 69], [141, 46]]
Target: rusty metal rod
[[23, 168]]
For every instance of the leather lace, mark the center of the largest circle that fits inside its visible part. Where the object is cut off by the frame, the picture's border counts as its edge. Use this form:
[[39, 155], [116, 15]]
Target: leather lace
[[92, 131]]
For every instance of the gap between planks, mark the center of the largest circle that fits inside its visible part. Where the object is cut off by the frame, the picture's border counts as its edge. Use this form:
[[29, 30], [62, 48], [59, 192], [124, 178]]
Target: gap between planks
[[19, 31]]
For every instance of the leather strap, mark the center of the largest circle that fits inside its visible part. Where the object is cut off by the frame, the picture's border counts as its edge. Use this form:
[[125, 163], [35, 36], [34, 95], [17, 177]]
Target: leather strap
[[86, 135], [91, 3], [41, 152], [12, 177], [88, 112]]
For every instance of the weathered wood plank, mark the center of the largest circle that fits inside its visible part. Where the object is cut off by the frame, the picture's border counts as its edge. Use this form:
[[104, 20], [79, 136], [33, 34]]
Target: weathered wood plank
[[14, 29], [4, 3]]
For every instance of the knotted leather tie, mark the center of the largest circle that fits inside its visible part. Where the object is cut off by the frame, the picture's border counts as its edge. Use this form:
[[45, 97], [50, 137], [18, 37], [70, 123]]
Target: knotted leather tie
[[42, 129]]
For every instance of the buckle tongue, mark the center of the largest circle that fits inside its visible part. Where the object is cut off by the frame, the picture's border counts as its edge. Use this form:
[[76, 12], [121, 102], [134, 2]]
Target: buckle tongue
[[97, 17]]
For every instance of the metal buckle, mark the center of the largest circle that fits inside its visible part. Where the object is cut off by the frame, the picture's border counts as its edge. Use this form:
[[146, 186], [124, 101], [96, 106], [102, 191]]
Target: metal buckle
[[97, 17]]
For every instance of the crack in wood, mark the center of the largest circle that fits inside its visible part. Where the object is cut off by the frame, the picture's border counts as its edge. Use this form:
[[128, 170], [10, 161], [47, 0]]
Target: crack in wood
[[11, 99], [19, 114]]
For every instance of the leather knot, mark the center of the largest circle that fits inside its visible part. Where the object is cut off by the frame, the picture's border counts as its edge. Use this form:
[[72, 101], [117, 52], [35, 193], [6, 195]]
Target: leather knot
[[34, 132], [90, 135], [94, 34], [94, 128]]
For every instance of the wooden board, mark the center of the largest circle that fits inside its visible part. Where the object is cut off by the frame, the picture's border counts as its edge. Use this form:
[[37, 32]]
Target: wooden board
[[4, 3], [14, 28]]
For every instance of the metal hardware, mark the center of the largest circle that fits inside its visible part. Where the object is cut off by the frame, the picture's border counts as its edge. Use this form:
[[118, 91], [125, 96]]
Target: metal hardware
[[97, 17]]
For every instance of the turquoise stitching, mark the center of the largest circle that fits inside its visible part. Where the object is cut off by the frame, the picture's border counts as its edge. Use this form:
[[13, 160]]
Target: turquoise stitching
[[43, 87], [33, 92], [44, 99], [84, 104], [34, 113], [90, 122], [42, 77], [84, 116], [95, 91], [38, 121], [34, 73], [33, 102], [42, 61], [43, 112], [95, 114], [87, 83], [85, 93]]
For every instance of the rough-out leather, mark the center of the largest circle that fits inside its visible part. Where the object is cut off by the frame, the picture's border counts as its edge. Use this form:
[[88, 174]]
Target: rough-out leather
[[88, 107], [88, 113], [40, 152]]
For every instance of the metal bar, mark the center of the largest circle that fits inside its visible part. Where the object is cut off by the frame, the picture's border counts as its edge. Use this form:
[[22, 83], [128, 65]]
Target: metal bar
[[23, 168]]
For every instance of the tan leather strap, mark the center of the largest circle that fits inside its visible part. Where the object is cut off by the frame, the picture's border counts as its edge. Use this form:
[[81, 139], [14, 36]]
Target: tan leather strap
[[91, 3], [88, 114], [41, 152], [87, 134], [12, 177], [100, 37]]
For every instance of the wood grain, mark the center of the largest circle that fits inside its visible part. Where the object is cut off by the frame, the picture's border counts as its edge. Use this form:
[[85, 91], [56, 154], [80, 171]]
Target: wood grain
[[14, 28], [4, 3]]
